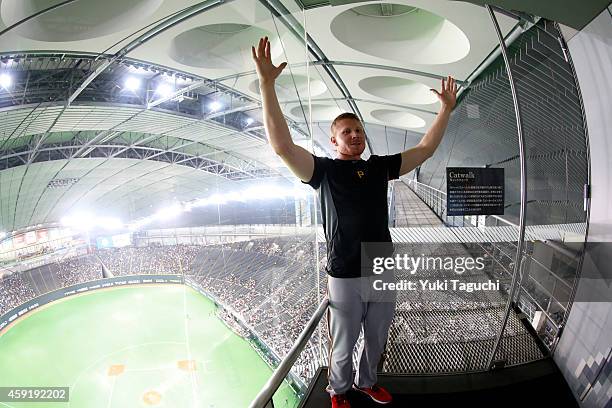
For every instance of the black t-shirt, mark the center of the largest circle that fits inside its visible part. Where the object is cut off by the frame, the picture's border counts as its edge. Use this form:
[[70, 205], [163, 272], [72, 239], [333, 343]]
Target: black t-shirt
[[354, 207]]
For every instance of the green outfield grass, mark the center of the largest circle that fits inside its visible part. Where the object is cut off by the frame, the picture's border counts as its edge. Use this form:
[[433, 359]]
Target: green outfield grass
[[132, 347]]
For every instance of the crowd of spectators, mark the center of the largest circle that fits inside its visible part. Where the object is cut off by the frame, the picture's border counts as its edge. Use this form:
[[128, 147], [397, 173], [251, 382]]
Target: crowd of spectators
[[153, 259], [232, 322], [19, 287], [75, 270], [27, 254], [14, 290]]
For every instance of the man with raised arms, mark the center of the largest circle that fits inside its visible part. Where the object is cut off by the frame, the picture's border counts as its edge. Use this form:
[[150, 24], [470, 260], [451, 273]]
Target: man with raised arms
[[353, 194]]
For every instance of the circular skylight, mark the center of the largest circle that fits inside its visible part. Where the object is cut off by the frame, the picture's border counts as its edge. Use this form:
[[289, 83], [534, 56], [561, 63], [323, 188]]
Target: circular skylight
[[401, 33], [286, 86], [80, 20], [384, 10], [219, 46], [224, 28], [320, 112], [398, 90], [398, 118]]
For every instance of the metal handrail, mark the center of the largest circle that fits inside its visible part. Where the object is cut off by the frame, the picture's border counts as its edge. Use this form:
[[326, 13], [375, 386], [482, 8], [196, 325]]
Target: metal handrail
[[418, 183], [524, 291], [505, 221], [540, 264], [425, 185], [267, 392]]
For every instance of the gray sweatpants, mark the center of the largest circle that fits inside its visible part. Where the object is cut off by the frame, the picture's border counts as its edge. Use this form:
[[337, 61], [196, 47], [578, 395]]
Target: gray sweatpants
[[355, 305]]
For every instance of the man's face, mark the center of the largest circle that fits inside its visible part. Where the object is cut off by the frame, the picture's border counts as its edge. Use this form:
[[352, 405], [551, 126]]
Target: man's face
[[348, 137]]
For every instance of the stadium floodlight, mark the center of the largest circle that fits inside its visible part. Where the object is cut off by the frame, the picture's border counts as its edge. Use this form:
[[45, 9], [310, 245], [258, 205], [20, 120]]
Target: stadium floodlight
[[169, 212], [109, 223], [138, 70], [267, 191], [271, 192], [139, 223], [184, 81], [164, 89], [263, 192], [132, 83], [215, 106], [85, 221], [231, 197], [82, 221], [5, 81], [200, 202], [260, 192], [217, 199]]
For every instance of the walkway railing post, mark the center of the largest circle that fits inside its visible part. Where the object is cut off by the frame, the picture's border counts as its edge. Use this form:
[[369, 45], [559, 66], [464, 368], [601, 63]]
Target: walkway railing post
[[264, 398], [521, 142]]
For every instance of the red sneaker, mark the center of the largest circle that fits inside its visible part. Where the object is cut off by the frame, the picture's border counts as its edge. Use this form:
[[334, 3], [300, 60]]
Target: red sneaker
[[377, 393], [340, 401]]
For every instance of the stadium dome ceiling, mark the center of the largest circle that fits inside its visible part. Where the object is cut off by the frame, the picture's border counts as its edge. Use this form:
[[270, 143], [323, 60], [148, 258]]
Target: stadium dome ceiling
[[385, 29], [189, 119], [80, 20], [398, 90], [320, 112], [398, 118], [218, 46], [287, 86]]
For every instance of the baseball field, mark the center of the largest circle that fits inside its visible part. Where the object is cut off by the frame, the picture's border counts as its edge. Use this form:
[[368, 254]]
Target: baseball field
[[138, 346]]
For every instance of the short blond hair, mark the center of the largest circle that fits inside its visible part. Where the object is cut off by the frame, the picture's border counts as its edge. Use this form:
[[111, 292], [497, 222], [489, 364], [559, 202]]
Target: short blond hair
[[345, 115]]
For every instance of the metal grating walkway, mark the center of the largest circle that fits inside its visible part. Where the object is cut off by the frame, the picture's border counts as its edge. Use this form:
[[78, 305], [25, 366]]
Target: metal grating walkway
[[410, 210], [444, 341]]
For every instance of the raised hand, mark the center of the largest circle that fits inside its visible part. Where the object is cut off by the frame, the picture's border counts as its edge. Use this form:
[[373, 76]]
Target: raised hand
[[266, 71], [448, 93]]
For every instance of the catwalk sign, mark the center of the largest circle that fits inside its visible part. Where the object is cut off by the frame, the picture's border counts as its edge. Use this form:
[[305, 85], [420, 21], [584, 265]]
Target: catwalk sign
[[474, 191]]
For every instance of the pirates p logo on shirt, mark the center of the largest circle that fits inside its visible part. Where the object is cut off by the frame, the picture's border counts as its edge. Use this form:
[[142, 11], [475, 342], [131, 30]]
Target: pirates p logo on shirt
[[360, 173]]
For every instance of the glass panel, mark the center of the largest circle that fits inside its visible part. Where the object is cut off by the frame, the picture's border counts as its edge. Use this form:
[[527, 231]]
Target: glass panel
[[451, 318], [169, 180], [557, 171], [261, 270], [289, 393]]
